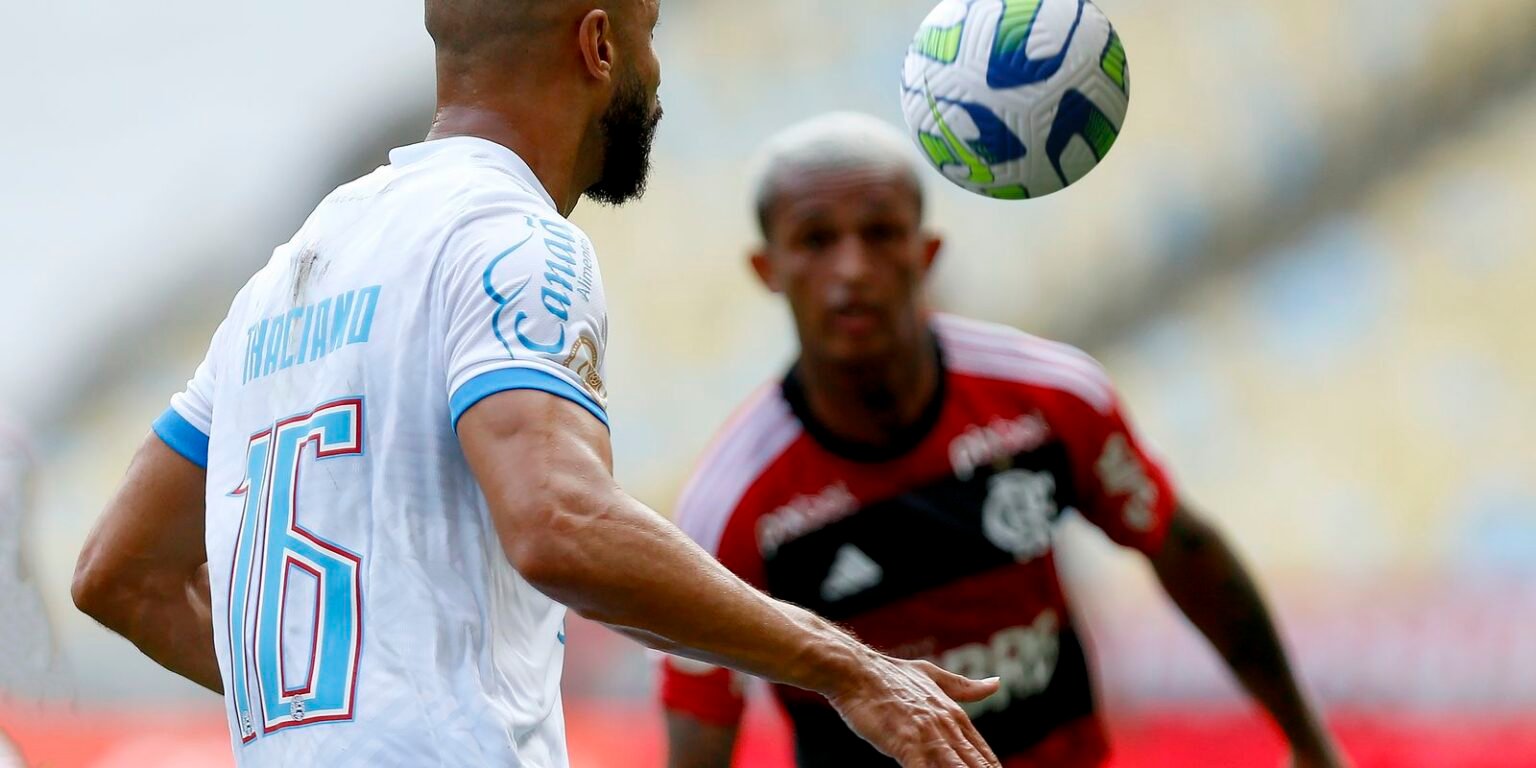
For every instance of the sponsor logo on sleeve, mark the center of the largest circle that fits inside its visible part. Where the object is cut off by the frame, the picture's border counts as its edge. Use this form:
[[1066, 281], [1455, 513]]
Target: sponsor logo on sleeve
[[1121, 473], [568, 271]]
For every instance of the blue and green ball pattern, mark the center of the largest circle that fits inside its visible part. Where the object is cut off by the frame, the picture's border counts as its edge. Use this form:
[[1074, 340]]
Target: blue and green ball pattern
[[1006, 121]]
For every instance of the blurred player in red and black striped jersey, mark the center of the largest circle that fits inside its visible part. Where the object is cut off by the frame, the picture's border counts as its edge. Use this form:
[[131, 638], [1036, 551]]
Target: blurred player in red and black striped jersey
[[904, 476]]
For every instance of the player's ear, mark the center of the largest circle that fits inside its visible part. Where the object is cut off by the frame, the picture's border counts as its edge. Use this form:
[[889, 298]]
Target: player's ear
[[595, 37], [763, 266], [932, 245]]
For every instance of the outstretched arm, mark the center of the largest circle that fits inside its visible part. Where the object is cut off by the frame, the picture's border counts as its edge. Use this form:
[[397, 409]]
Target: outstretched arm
[[546, 470], [143, 572], [1204, 577]]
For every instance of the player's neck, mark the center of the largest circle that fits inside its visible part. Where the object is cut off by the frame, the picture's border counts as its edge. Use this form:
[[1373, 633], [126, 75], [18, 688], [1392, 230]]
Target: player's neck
[[552, 152], [872, 403]]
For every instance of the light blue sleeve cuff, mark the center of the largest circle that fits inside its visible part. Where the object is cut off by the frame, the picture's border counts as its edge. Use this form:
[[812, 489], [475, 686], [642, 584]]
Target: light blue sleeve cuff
[[182, 437], [503, 379]]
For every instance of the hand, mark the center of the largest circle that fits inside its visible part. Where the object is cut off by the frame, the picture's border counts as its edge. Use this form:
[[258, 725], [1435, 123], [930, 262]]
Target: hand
[[907, 710]]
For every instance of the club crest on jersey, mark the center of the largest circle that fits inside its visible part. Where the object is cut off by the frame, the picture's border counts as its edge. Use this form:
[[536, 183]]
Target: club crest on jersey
[[585, 360], [1017, 514]]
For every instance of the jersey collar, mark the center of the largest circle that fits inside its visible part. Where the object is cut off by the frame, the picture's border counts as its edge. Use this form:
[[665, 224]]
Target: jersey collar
[[793, 390], [476, 148]]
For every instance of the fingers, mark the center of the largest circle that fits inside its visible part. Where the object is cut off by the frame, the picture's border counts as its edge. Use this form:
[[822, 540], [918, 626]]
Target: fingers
[[937, 736], [959, 688], [985, 757], [931, 730], [968, 755], [949, 747], [973, 748], [968, 741]]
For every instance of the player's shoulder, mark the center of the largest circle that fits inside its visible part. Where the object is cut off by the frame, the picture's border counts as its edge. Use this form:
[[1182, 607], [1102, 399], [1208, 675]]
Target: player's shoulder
[[463, 195], [492, 225], [1007, 355], [749, 444]]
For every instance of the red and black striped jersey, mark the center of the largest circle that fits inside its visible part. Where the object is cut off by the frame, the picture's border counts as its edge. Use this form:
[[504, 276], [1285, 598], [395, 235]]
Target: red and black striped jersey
[[938, 546]]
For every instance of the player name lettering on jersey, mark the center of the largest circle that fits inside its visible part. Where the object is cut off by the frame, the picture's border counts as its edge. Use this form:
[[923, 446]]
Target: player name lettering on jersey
[[309, 332], [998, 439], [804, 514]]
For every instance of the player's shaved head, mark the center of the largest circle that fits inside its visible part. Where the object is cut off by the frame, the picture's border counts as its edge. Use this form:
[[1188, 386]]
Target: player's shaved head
[[469, 30], [834, 143]]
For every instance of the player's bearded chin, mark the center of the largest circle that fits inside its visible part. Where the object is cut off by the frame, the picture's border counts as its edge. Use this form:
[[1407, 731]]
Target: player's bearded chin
[[629, 127]]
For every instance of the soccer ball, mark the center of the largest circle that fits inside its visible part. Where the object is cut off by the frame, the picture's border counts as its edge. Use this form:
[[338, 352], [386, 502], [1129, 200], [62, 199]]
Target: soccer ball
[[1015, 98]]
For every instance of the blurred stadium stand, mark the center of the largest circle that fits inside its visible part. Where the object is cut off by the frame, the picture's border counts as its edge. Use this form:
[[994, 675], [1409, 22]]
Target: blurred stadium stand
[[1307, 263]]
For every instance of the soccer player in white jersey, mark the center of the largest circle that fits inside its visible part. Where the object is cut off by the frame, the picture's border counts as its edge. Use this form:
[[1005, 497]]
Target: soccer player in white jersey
[[364, 518]]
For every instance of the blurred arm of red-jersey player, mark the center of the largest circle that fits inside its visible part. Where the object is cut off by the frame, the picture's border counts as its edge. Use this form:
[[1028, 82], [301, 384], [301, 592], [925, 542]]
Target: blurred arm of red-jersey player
[[1127, 493], [696, 740], [704, 704], [1206, 579]]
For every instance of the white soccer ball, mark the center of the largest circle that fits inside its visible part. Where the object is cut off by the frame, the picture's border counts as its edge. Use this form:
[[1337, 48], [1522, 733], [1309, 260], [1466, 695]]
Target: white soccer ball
[[1015, 98]]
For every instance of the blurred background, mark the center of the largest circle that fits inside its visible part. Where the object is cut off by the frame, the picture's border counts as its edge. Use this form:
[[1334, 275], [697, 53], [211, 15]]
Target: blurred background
[[1308, 263]]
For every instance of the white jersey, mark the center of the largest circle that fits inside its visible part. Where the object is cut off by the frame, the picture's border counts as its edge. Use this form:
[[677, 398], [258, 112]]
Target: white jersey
[[364, 611]]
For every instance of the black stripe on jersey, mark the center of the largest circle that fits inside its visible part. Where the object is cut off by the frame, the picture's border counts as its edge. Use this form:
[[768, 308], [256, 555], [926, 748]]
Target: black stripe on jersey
[[928, 537]]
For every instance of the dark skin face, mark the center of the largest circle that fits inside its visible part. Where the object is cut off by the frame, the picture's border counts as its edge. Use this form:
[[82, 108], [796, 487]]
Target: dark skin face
[[848, 251], [620, 60], [642, 33], [628, 122]]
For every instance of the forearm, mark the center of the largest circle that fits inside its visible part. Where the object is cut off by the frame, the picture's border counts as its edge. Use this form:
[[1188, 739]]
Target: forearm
[[613, 560], [547, 472], [143, 571], [1211, 586], [546, 469], [169, 620]]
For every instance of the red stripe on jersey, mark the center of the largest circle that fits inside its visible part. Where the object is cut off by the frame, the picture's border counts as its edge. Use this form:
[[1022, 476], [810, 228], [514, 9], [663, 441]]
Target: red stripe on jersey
[[750, 442]]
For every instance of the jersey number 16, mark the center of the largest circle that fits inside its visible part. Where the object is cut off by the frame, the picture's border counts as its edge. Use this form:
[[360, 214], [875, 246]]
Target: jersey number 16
[[273, 553]]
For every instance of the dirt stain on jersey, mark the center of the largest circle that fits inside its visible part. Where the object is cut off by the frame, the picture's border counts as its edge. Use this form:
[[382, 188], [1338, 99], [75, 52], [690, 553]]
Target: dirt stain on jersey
[[303, 268]]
